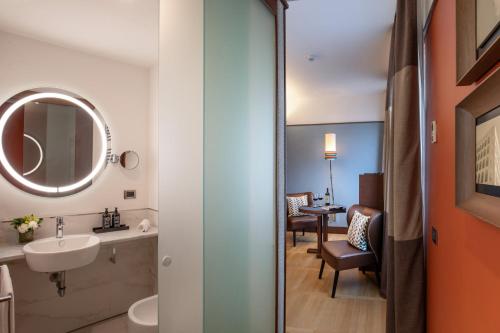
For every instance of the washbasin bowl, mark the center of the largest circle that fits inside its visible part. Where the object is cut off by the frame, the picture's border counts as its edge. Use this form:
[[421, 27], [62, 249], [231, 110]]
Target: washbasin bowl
[[61, 254]]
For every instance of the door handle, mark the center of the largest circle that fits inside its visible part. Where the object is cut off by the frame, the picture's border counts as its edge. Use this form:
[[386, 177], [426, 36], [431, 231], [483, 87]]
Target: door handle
[[166, 261]]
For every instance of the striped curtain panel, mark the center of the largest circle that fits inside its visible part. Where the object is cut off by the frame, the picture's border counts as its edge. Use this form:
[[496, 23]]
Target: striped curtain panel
[[403, 274]]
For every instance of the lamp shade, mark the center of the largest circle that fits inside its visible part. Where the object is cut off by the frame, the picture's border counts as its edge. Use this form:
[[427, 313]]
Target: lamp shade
[[330, 146]]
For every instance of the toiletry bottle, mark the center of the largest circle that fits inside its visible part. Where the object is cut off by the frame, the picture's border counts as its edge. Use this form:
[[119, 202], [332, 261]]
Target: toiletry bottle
[[116, 218], [106, 220], [327, 197]]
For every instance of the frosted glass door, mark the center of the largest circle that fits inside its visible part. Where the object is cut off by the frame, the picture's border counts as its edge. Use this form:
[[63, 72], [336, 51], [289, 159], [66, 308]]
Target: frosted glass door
[[239, 167]]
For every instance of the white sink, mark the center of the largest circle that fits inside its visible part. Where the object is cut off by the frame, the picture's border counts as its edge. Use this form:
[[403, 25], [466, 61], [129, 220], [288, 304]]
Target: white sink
[[61, 254]]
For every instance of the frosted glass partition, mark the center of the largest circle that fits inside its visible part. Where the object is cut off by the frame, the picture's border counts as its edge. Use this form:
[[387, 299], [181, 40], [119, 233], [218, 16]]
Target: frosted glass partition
[[239, 167]]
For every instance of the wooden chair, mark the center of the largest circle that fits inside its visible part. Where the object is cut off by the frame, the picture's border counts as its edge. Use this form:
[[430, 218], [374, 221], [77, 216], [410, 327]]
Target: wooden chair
[[304, 222], [341, 255]]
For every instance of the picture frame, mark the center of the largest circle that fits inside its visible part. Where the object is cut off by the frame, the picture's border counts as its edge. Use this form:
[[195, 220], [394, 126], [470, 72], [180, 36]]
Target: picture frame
[[478, 50], [468, 195], [488, 153]]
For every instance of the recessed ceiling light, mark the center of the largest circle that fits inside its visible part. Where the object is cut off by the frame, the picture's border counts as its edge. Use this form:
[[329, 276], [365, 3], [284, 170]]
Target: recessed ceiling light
[[311, 57]]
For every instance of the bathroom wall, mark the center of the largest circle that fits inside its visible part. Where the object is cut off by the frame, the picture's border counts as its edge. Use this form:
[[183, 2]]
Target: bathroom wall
[[153, 138], [93, 293], [122, 93]]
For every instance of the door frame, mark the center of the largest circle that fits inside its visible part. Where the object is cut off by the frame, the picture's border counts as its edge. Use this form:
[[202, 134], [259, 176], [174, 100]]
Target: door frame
[[278, 9]]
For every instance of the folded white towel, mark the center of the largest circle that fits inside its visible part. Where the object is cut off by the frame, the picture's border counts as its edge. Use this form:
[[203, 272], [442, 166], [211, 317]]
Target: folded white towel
[[6, 289], [144, 226]]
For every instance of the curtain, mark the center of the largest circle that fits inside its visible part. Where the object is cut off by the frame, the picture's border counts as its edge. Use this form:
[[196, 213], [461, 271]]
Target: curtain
[[403, 274]]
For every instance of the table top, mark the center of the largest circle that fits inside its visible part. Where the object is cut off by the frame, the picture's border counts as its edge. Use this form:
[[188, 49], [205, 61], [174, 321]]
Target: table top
[[332, 209]]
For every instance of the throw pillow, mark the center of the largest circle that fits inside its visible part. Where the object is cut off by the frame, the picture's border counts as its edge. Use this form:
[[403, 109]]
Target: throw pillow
[[294, 203], [358, 230]]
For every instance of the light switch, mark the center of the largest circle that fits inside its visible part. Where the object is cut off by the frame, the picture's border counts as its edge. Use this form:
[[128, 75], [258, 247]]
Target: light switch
[[434, 236], [433, 132]]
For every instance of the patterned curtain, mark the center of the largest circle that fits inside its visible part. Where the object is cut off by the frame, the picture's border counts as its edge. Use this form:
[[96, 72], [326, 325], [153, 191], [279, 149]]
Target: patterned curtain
[[403, 274]]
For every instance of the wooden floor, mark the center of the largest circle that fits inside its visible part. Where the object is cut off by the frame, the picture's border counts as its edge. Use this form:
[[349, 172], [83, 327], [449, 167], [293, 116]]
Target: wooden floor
[[356, 308]]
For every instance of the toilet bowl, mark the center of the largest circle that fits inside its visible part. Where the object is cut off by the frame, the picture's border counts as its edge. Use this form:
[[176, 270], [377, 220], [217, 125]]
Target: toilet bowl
[[143, 316]]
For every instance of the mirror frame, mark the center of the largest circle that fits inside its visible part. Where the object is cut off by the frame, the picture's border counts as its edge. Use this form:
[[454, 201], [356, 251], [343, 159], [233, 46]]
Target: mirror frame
[[54, 191]]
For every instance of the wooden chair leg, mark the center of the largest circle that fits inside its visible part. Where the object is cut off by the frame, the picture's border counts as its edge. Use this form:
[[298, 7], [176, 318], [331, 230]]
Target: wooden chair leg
[[303, 232], [294, 238], [321, 269], [335, 281], [377, 275]]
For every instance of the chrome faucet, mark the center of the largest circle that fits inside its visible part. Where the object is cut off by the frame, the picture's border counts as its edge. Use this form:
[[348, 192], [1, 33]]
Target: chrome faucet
[[59, 227]]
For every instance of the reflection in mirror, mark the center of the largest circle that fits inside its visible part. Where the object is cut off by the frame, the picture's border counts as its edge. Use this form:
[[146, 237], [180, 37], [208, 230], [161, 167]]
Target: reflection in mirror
[[129, 160], [34, 158], [53, 143]]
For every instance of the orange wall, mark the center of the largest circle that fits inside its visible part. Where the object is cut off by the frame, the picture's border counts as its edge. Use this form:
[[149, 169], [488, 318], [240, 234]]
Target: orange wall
[[464, 269]]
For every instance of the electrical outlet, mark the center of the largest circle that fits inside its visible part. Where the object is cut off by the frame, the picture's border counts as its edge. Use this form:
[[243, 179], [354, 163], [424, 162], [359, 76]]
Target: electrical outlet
[[129, 194], [434, 236]]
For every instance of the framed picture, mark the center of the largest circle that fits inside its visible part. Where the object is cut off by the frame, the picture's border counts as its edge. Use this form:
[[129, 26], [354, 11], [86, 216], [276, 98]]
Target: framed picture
[[477, 151], [488, 153], [478, 38]]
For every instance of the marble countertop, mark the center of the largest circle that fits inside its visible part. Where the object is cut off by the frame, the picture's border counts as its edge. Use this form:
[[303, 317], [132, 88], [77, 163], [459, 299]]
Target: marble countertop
[[9, 252]]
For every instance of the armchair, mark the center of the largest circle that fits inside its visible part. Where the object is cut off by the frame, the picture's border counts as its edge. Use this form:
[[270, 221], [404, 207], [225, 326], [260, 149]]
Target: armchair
[[304, 222], [342, 256]]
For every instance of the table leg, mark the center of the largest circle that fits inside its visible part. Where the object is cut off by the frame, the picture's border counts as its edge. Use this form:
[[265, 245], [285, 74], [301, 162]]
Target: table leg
[[325, 227], [323, 232], [320, 235], [319, 224]]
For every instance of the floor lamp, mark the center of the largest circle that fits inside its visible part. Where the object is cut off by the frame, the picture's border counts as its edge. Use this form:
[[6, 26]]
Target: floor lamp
[[331, 154]]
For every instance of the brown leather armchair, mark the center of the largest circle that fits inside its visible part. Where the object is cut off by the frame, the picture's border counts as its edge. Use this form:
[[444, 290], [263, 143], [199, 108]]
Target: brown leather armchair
[[341, 255], [301, 223]]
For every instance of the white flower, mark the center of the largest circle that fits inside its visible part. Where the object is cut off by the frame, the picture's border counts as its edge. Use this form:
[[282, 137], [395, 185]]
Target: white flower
[[23, 228], [33, 225]]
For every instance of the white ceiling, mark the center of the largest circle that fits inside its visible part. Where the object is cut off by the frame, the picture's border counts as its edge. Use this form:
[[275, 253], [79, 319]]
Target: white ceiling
[[124, 30], [350, 41]]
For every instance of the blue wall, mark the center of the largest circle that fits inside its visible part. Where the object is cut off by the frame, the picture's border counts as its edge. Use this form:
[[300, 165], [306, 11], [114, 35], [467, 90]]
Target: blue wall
[[359, 148]]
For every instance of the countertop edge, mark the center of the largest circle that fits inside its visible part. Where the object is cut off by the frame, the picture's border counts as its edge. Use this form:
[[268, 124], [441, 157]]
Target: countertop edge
[[15, 251]]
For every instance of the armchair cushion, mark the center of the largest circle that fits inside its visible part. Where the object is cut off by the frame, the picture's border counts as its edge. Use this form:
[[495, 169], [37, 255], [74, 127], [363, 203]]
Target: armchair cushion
[[304, 222], [341, 255]]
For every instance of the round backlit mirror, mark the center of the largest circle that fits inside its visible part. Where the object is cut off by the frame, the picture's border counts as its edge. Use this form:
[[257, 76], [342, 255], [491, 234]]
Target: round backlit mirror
[[52, 142], [129, 160]]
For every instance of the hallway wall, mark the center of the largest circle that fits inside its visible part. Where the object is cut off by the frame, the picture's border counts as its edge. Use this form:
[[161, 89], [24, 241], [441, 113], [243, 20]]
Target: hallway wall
[[464, 268]]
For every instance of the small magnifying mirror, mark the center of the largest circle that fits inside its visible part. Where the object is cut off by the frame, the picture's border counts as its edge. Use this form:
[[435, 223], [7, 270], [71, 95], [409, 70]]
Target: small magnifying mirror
[[129, 160]]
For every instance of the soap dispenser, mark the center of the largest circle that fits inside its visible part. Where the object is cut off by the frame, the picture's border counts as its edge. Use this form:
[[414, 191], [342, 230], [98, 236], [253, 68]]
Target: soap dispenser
[[116, 218], [106, 220]]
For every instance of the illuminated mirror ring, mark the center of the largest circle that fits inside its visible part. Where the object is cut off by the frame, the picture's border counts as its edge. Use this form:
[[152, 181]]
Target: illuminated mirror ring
[[53, 189]]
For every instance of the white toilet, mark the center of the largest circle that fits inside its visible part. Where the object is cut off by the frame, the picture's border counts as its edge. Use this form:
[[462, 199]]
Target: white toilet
[[143, 316]]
